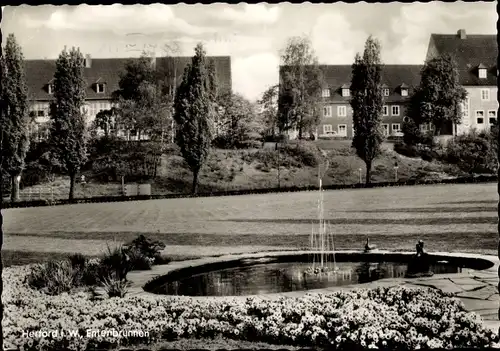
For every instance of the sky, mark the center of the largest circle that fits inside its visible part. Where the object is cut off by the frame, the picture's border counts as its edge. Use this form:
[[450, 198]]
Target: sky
[[253, 35]]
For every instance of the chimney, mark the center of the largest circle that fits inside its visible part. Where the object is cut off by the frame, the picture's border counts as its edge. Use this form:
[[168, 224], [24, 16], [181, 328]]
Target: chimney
[[88, 61], [461, 34]]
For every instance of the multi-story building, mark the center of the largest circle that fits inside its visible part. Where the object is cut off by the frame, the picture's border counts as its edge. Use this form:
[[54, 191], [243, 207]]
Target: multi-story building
[[101, 78], [336, 120], [476, 56]]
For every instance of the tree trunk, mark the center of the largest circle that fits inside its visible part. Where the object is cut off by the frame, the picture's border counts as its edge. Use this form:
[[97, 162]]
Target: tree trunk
[[14, 187], [72, 180], [368, 172], [195, 181]]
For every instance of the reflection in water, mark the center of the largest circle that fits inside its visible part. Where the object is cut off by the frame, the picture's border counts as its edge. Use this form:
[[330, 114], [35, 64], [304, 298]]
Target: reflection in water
[[283, 277]]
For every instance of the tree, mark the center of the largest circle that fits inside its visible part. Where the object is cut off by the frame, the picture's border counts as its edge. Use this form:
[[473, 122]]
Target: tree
[[269, 114], [194, 112], [300, 87], [236, 121], [438, 98], [68, 135], [14, 119], [367, 103]]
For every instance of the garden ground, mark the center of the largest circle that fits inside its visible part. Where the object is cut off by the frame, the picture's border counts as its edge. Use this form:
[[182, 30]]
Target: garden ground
[[258, 168]]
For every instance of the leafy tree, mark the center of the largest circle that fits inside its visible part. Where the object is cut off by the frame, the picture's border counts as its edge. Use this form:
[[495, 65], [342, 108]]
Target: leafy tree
[[14, 119], [300, 87], [194, 112], [269, 114], [236, 121], [438, 97], [367, 103], [68, 135], [105, 120], [135, 73]]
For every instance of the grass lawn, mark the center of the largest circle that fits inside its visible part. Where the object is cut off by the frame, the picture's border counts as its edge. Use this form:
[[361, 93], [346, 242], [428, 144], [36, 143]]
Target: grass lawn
[[457, 218]]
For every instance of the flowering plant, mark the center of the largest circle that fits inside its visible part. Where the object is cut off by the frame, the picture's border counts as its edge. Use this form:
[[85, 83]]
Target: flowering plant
[[390, 318]]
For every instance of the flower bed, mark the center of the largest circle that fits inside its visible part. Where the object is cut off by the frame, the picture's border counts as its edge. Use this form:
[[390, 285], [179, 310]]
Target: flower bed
[[392, 318]]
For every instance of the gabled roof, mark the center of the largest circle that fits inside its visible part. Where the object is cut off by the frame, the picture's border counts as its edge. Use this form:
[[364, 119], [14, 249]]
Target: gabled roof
[[346, 86], [469, 54], [166, 66], [404, 86], [393, 76], [39, 73]]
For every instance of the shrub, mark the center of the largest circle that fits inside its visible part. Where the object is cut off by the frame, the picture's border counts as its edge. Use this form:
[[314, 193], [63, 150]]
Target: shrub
[[52, 277], [143, 246], [115, 263], [406, 150], [115, 287], [305, 153], [473, 153]]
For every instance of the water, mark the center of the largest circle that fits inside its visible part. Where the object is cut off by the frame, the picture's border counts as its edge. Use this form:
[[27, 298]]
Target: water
[[286, 276]]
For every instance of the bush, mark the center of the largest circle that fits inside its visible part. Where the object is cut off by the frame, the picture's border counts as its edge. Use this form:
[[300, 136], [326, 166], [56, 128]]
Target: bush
[[305, 153], [115, 263], [52, 277], [473, 152], [406, 150], [143, 252]]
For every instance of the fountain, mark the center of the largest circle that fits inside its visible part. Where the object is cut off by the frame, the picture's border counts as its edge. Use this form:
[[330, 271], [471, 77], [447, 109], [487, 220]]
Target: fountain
[[322, 244]]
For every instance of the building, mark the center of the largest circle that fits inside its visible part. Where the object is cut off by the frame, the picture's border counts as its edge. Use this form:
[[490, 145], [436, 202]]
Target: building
[[336, 120], [101, 78], [476, 56]]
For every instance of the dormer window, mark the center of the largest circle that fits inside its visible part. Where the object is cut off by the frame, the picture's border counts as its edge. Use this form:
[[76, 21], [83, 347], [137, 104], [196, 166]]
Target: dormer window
[[99, 87], [386, 91], [346, 92], [482, 71], [50, 89], [404, 89], [325, 93]]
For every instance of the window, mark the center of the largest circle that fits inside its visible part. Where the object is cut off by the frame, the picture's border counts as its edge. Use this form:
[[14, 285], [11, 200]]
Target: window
[[342, 129], [327, 128], [385, 110], [404, 92], [480, 120], [395, 110], [40, 113], [396, 127], [341, 111], [346, 92], [325, 93], [465, 107], [385, 129], [482, 73], [100, 88], [479, 113], [492, 116], [50, 89], [485, 94], [327, 111], [386, 92]]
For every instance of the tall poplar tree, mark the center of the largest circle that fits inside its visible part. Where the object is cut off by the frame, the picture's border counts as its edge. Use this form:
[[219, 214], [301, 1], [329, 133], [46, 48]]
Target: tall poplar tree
[[367, 104], [14, 119], [68, 134], [194, 111]]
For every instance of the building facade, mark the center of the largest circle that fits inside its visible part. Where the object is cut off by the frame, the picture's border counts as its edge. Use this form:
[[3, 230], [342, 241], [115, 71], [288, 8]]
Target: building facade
[[476, 57], [398, 81], [101, 77]]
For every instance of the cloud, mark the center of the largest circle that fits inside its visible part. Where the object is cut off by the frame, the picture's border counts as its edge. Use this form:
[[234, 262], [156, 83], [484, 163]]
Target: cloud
[[118, 18], [252, 75], [251, 14], [335, 41]]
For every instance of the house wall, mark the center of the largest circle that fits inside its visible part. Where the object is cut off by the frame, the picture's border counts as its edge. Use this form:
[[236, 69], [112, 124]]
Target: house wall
[[471, 109], [391, 120]]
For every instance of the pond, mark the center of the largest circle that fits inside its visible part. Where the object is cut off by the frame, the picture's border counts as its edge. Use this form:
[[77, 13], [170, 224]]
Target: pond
[[281, 277]]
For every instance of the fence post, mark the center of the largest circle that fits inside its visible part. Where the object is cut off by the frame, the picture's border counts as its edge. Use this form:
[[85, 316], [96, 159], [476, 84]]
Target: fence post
[[52, 192], [39, 193], [29, 194]]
